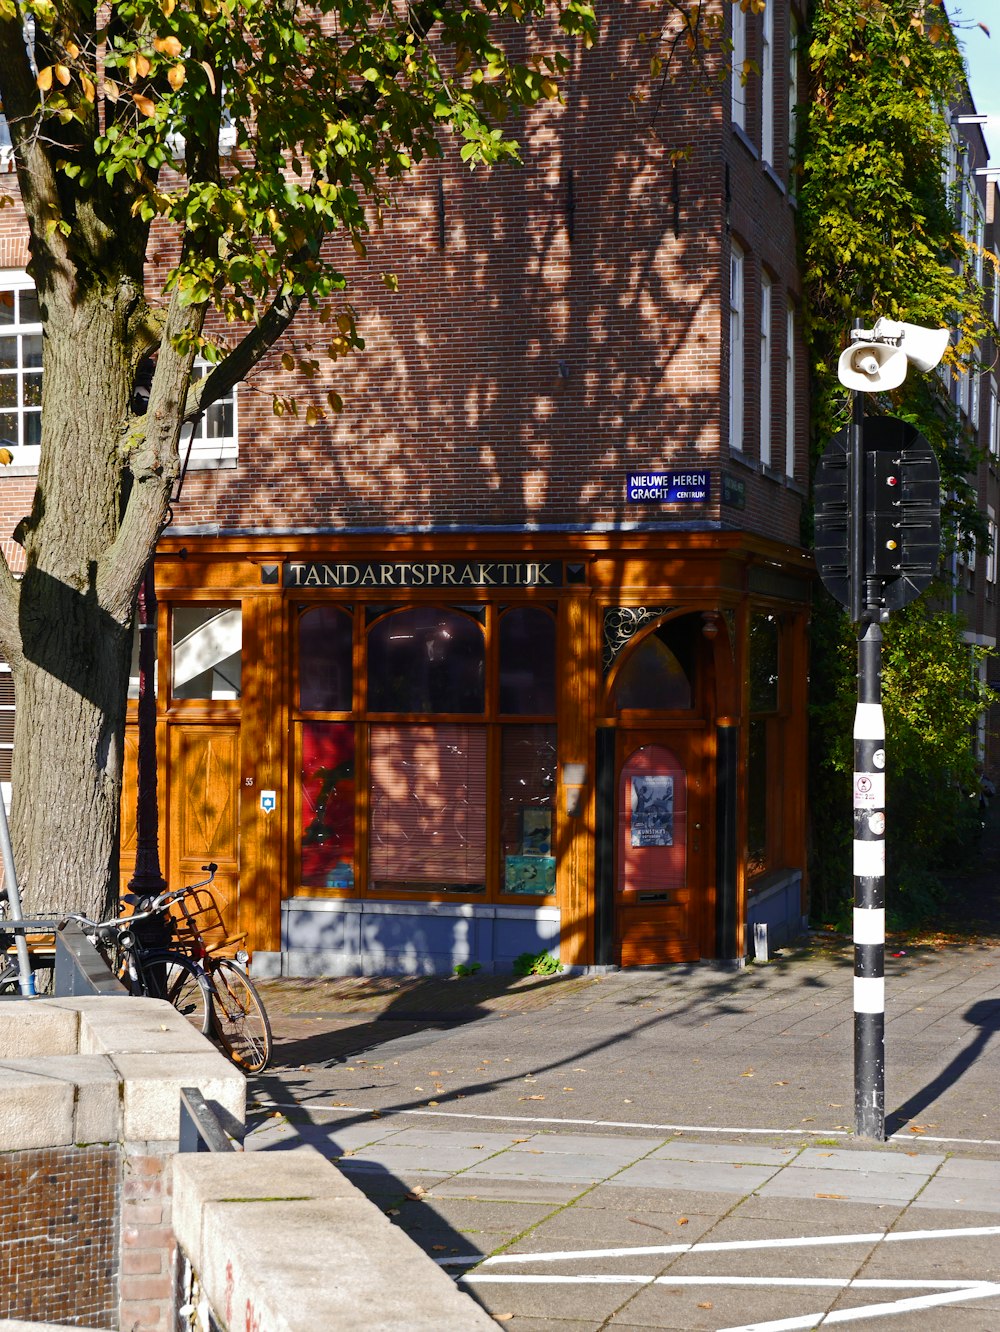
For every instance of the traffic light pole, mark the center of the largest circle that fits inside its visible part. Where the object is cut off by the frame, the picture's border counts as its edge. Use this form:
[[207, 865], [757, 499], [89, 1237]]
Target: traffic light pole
[[869, 816]]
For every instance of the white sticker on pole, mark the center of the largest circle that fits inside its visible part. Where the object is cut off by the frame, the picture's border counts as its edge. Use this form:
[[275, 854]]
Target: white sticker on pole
[[869, 860], [869, 790]]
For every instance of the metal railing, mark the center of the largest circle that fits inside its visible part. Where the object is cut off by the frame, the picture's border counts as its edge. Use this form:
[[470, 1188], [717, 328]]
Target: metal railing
[[201, 1128]]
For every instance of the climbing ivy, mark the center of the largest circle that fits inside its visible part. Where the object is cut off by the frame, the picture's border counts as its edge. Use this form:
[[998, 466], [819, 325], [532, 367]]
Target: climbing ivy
[[879, 236]]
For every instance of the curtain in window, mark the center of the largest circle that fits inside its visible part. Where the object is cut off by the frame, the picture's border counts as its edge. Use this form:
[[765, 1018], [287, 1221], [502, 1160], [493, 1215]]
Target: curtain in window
[[428, 807]]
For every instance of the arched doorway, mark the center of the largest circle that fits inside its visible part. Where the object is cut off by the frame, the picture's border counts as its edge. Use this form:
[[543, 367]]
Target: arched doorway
[[662, 696]]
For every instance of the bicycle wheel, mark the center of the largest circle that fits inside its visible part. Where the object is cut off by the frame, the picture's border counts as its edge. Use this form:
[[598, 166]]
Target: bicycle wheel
[[238, 1015], [180, 981]]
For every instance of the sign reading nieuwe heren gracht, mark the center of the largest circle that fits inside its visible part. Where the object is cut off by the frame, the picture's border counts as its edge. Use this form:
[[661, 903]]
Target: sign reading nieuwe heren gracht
[[420, 573], [669, 487]]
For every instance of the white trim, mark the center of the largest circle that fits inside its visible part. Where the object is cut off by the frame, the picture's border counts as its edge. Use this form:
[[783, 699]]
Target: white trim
[[737, 354], [869, 994], [766, 365]]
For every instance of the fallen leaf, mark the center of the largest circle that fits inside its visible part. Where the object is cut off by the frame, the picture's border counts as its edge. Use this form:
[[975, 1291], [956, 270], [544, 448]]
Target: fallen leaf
[[705, 1304], [747, 1074], [535, 1097], [782, 1083], [569, 1089], [502, 1318], [917, 1128], [682, 1220], [439, 1248], [376, 1114], [392, 1211], [841, 1196], [433, 1102]]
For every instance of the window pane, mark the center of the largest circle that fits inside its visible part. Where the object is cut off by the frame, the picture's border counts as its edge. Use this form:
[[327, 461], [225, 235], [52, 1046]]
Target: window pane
[[325, 660], [428, 808], [29, 312], [8, 353], [327, 777], [8, 424], [6, 307], [527, 661], [654, 676], [8, 390], [763, 664], [527, 790], [32, 390], [757, 791], [207, 643], [427, 659], [32, 428], [31, 351]]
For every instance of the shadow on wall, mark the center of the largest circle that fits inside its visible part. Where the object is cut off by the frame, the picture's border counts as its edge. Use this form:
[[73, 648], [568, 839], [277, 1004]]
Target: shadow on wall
[[324, 937]]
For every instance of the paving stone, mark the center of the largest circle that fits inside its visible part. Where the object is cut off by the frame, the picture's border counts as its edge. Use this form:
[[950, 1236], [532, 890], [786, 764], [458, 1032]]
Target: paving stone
[[713, 1177], [685, 1149], [511, 1190], [846, 1185]]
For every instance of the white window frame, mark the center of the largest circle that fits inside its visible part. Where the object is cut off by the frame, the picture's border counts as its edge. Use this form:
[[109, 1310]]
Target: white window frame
[[790, 394], [212, 446], [994, 428], [767, 84], [737, 363], [766, 307], [991, 554], [26, 456], [737, 83]]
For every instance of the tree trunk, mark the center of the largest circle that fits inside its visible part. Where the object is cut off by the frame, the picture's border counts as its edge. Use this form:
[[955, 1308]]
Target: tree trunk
[[69, 648]]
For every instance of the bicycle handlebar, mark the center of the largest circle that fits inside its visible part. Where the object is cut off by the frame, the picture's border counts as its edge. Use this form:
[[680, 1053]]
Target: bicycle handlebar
[[156, 906]]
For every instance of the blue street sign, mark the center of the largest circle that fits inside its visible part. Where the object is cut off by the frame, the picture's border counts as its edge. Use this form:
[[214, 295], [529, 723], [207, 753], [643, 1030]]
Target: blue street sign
[[669, 487]]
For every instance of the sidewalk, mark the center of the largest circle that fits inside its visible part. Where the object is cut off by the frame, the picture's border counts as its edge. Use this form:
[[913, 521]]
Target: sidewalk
[[673, 1149]]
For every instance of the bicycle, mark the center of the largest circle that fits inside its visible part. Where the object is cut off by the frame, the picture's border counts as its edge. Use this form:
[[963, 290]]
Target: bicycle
[[213, 992]]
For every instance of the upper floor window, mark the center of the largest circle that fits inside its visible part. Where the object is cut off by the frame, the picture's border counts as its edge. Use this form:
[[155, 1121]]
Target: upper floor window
[[793, 92], [767, 84], [736, 361], [765, 369], [206, 443], [790, 395], [20, 369], [738, 88]]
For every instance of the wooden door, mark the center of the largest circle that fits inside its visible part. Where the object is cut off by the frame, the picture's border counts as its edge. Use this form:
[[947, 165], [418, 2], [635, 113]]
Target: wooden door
[[205, 808], [661, 845]]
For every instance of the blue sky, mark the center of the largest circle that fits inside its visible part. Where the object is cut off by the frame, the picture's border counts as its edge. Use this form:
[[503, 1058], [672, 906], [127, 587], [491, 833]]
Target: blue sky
[[982, 56]]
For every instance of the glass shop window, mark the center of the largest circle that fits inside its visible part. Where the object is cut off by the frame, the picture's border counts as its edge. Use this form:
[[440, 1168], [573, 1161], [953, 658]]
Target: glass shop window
[[657, 675], [327, 820], [527, 803], [527, 662], [206, 652], [326, 660], [426, 660]]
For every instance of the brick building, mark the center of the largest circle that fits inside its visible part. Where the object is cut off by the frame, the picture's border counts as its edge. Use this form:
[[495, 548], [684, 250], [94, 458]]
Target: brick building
[[511, 653]]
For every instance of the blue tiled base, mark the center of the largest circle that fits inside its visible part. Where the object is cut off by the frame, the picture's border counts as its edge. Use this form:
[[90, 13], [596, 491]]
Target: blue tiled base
[[338, 937]]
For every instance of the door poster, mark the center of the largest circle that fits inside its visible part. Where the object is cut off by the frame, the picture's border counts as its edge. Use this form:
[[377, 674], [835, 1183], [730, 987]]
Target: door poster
[[652, 804]]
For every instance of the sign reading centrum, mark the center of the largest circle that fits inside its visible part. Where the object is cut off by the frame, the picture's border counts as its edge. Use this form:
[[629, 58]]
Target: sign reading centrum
[[669, 487], [440, 573]]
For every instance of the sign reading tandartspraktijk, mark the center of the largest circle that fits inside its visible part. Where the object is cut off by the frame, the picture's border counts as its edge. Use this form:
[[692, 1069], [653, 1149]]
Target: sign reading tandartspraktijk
[[669, 487], [425, 573]]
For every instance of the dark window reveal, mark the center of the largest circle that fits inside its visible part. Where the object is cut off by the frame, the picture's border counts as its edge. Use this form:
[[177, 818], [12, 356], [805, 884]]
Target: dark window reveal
[[426, 660]]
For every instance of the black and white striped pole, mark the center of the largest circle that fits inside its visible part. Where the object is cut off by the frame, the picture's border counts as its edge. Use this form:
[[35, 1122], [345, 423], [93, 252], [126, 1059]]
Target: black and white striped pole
[[892, 530]]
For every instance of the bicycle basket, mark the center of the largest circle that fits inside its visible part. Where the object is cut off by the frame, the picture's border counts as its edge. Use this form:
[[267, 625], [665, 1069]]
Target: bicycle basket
[[200, 928]]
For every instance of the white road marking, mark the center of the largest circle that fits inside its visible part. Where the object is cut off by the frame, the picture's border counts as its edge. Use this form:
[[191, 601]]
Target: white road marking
[[917, 1303], [733, 1246], [651, 1279], [267, 1107]]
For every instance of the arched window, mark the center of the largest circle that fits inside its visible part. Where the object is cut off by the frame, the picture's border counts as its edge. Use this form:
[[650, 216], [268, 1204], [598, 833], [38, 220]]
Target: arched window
[[426, 659], [325, 660], [527, 662], [657, 675]]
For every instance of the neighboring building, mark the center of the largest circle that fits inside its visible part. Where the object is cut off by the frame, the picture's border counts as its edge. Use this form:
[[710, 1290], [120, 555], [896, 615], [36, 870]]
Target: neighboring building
[[434, 687]]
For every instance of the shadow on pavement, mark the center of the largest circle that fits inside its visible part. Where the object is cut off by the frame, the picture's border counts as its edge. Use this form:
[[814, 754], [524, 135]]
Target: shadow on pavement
[[984, 1015]]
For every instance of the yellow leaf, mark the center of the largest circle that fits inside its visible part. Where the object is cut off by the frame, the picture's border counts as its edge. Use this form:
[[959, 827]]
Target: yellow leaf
[[359, 247], [277, 406], [145, 104], [44, 79], [335, 400], [287, 361], [132, 69], [167, 7], [655, 66], [391, 281], [110, 90], [62, 74], [210, 73], [176, 75], [6, 457], [550, 89], [142, 65], [168, 46], [72, 50], [344, 322]]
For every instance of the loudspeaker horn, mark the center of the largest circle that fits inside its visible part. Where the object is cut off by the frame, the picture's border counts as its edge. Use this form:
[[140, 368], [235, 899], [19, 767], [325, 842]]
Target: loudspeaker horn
[[872, 367], [924, 347]]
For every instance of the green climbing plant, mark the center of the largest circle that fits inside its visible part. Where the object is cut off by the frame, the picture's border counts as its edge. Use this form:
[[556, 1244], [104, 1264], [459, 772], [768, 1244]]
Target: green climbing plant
[[880, 236]]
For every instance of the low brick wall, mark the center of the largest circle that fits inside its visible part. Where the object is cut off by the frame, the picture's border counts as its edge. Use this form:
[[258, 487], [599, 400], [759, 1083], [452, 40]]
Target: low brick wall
[[89, 1115]]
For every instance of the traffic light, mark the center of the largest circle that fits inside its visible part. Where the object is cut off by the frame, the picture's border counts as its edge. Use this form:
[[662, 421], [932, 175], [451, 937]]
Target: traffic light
[[901, 501]]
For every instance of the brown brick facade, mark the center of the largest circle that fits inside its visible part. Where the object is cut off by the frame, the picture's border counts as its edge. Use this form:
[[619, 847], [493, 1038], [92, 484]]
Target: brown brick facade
[[59, 1215]]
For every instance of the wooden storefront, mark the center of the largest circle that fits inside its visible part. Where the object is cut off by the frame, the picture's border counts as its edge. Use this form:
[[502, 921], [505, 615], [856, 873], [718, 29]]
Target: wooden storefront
[[410, 753]]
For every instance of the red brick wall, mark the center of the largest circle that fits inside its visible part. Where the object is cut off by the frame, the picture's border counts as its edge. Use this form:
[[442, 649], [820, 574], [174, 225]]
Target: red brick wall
[[59, 1213], [520, 372]]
